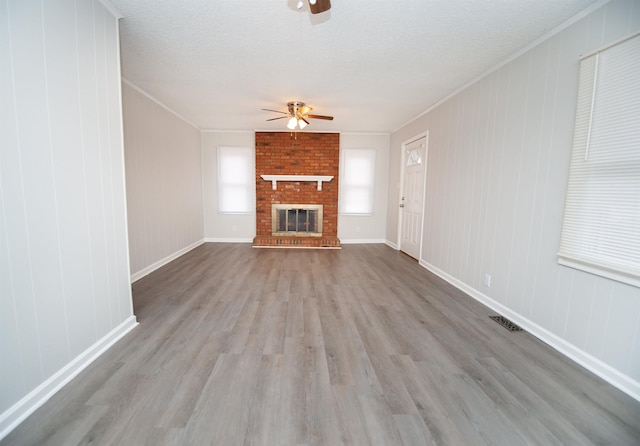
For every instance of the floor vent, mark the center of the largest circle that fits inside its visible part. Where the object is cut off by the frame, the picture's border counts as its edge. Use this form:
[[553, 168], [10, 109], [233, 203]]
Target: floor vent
[[506, 323]]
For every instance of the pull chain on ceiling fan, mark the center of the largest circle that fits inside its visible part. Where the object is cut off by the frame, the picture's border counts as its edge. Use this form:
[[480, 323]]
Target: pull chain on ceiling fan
[[297, 115]]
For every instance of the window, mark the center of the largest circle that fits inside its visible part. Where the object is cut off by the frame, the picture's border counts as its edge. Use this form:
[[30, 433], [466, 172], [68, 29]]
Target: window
[[236, 180], [601, 228], [414, 158], [357, 181]]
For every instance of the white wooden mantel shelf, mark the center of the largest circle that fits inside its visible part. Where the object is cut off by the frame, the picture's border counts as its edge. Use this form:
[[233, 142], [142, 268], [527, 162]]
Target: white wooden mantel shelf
[[275, 178]]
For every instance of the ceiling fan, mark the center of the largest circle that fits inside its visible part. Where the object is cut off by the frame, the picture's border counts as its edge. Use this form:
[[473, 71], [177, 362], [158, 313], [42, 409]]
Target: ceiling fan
[[316, 6], [298, 114]]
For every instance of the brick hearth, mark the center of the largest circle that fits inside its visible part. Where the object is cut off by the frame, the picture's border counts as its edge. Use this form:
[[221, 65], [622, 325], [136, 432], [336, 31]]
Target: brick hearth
[[284, 153], [270, 241]]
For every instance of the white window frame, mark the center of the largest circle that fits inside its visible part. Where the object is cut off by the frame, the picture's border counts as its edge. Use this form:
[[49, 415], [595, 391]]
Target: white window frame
[[357, 181], [236, 180], [601, 227]]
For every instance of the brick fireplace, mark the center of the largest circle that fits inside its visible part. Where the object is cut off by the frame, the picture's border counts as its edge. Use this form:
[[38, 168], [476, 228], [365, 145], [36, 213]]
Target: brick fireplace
[[305, 161]]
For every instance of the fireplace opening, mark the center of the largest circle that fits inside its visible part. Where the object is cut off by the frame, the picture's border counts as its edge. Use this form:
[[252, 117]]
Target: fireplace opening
[[296, 219]]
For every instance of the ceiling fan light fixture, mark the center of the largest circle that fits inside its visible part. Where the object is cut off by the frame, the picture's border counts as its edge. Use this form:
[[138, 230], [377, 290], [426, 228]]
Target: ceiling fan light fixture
[[302, 123], [292, 123]]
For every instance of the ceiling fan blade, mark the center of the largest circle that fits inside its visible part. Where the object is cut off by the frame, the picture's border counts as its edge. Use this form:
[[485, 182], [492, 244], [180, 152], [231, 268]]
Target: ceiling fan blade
[[279, 117], [320, 6], [304, 109], [276, 111], [328, 118]]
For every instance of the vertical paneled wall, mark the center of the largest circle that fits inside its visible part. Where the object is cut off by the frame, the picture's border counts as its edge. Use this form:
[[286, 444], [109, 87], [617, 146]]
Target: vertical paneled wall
[[164, 182], [64, 272], [497, 172]]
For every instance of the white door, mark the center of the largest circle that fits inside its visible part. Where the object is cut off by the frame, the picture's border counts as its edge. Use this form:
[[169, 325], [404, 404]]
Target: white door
[[412, 199]]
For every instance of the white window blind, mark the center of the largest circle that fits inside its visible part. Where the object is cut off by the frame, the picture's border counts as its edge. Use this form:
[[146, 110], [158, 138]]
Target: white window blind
[[357, 181], [601, 228], [236, 180]]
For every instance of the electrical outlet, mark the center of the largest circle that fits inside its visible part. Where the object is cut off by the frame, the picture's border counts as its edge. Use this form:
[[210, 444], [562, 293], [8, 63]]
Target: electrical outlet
[[487, 280]]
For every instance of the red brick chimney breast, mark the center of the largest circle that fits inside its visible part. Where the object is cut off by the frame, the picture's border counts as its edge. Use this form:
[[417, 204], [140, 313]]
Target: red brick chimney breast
[[302, 153]]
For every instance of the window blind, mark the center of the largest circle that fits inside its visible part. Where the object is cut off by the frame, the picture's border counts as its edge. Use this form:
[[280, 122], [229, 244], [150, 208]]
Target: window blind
[[357, 181], [601, 227], [236, 180]]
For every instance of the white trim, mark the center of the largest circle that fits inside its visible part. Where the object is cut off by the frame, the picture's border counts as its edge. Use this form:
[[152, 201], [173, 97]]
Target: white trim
[[612, 376], [359, 241], [566, 24], [148, 96], [619, 275], [609, 45], [160, 263], [228, 240], [391, 245], [123, 162], [17, 413], [112, 9]]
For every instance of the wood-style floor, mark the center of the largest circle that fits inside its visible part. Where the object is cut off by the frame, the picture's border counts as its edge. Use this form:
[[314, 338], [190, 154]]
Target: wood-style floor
[[358, 346]]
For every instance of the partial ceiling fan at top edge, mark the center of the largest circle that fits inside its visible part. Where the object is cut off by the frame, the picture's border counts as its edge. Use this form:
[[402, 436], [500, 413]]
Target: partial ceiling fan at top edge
[[319, 6]]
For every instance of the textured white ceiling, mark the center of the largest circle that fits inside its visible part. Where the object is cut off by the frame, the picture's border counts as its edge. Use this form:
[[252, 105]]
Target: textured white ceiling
[[373, 64]]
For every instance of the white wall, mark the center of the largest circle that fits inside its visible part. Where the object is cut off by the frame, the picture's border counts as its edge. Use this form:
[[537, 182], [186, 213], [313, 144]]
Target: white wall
[[497, 172], [242, 228], [368, 228], [64, 272], [164, 182], [220, 227]]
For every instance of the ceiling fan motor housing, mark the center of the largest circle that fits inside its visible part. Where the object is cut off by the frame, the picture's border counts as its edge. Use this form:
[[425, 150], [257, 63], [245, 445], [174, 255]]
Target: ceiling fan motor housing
[[294, 106]]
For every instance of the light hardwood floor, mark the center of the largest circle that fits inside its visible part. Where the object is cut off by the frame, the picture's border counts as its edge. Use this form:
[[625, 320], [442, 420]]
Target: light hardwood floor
[[358, 346]]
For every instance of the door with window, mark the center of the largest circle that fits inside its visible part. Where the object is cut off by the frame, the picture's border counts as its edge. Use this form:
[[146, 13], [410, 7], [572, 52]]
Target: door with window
[[412, 199]]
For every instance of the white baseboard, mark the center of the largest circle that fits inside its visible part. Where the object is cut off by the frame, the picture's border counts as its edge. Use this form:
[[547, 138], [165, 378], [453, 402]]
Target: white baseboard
[[391, 244], [614, 377], [361, 241], [17, 413], [228, 240], [160, 263], [250, 240]]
